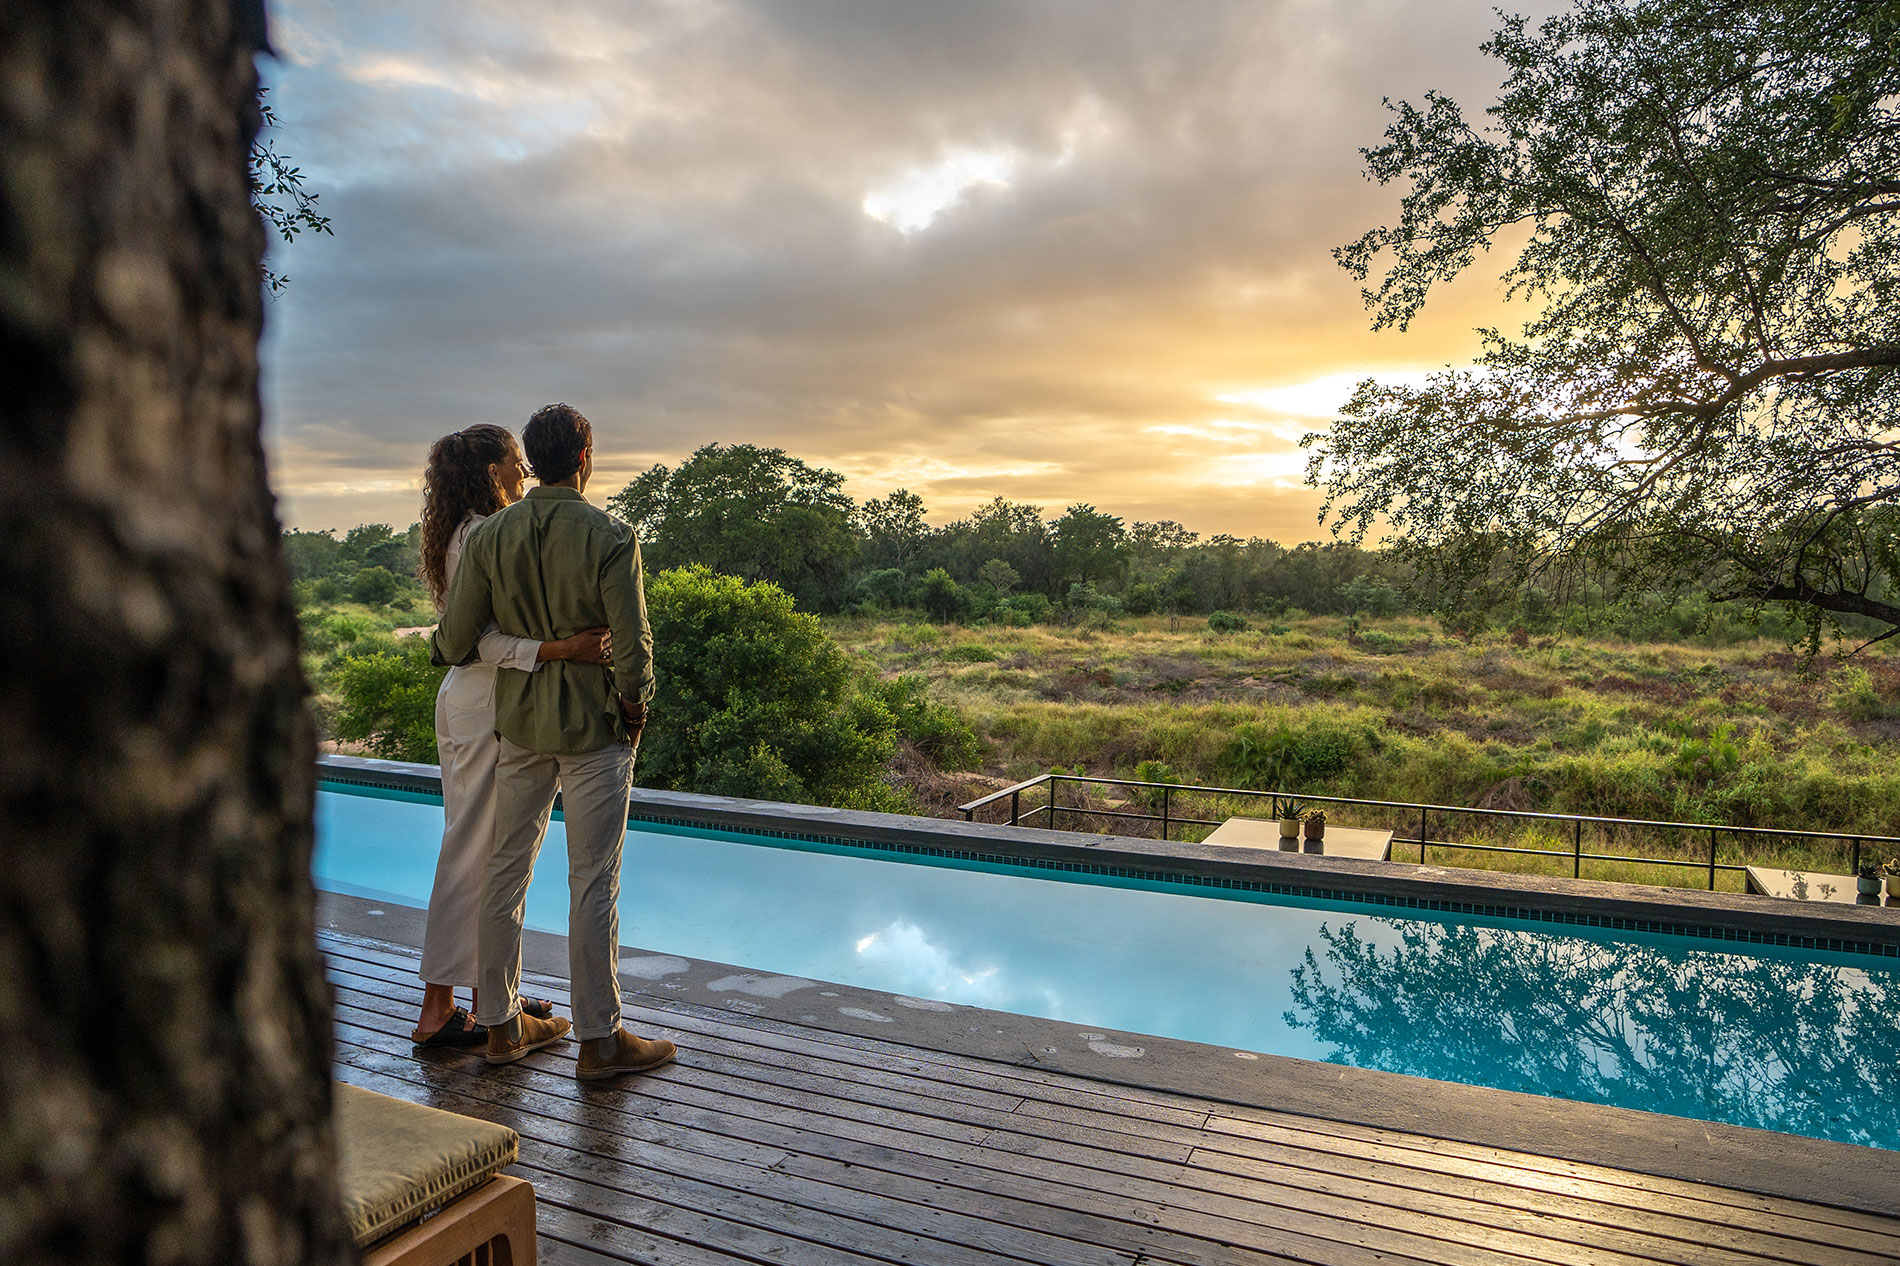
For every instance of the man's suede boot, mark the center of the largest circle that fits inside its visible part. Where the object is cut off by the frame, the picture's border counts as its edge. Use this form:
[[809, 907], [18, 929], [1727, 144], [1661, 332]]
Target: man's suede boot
[[522, 1035], [621, 1052]]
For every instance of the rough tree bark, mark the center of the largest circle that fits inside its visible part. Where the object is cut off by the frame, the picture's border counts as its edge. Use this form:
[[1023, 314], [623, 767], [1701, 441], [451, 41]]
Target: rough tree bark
[[164, 1090]]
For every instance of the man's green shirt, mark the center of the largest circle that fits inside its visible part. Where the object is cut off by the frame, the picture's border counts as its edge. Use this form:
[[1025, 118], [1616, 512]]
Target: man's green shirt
[[548, 567]]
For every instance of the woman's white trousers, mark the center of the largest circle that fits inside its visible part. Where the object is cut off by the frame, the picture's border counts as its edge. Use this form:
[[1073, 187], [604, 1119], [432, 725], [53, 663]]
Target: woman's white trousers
[[466, 744]]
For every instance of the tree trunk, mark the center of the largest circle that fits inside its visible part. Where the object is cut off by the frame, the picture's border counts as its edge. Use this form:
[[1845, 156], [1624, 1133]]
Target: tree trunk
[[164, 1092]]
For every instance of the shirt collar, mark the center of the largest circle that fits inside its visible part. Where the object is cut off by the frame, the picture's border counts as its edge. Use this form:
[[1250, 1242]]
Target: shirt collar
[[544, 492]]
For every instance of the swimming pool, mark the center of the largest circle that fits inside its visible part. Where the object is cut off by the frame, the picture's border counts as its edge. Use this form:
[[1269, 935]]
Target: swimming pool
[[1794, 1040]]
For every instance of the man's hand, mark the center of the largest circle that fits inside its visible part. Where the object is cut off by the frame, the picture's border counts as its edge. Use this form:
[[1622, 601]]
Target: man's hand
[[595, 646], [634, 713]]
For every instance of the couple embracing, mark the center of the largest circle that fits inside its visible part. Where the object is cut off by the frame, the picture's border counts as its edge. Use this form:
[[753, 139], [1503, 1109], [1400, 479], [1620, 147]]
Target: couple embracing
[[543, 616]]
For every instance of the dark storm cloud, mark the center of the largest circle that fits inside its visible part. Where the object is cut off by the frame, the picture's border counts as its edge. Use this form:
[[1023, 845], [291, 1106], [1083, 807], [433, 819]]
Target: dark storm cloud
[[659, 212]]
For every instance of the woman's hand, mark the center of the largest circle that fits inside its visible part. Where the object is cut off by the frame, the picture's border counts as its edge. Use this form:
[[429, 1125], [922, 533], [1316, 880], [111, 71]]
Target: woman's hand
[[595, 646]]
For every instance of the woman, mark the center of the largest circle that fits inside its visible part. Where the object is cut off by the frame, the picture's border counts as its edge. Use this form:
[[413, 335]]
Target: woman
[[470, 475]]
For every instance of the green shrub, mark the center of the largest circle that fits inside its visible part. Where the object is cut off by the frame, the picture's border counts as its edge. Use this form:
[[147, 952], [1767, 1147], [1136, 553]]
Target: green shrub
[[386, 701], [375, 587], [1294, 755], [1223, 622], [344, 630], [1143, 598], [1373, 596], [883, 590], [1090, 608], [1027, 609], [755, 700], [1701, 760], [935, 730], [940, 595], [970, 653]]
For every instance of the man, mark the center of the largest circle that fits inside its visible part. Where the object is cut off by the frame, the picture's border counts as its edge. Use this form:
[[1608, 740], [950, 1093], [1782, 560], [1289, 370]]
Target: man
[[553, 562]]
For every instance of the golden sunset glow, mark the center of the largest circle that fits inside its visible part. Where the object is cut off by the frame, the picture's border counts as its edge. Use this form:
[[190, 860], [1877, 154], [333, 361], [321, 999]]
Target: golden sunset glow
[[1050, 253]]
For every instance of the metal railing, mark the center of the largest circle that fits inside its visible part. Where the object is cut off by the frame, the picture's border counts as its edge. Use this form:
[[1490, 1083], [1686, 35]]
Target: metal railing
[[1170, 820]]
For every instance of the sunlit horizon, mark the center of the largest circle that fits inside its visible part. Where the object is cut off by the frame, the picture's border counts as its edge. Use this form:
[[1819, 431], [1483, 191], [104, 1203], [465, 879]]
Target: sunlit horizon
[[1044, 253]]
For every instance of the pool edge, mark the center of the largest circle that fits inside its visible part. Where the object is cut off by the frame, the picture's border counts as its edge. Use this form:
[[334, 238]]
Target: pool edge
[[1865, 930], [1763, 1162]]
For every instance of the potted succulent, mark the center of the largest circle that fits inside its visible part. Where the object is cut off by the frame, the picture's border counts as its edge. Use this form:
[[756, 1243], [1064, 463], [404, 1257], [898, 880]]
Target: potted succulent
[[1867, 879], [1892, 870], [1290, 814], [1314, 822]]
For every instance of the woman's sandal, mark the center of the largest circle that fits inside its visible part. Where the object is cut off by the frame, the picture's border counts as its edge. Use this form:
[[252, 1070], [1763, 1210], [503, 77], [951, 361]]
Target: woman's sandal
[[455, 1031], [539, 1008]]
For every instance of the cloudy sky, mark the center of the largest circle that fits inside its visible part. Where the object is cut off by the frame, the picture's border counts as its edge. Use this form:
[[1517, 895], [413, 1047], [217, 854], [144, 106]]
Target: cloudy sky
[[1054, 251]]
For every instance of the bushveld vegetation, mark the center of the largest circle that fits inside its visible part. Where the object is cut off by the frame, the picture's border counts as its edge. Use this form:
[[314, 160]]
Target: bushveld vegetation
[[1646, 709], [1718, 726]]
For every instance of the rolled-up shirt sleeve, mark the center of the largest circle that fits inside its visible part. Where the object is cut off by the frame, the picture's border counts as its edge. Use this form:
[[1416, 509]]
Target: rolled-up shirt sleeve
[[623, 594], [505, 651]]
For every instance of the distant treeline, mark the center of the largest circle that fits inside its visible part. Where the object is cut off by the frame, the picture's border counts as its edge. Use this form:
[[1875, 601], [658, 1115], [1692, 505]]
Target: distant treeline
[[762, 515]]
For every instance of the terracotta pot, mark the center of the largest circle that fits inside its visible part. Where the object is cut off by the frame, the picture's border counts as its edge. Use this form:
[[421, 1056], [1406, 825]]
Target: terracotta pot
[[1315, 830]]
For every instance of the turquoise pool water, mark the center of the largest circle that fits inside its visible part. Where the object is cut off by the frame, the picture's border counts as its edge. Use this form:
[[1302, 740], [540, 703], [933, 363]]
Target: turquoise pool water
[[1784, 1040]]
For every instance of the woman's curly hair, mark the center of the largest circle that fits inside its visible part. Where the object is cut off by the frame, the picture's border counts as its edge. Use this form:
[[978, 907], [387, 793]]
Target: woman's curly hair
[[456, 483]]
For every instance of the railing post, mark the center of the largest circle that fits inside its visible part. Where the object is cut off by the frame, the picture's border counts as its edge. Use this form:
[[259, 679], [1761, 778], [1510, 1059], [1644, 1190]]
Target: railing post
[[1015, 808], [1711, 859], [1054, 783], [1165, 789], [1576, 853], [1856, 866], [1421, 835]]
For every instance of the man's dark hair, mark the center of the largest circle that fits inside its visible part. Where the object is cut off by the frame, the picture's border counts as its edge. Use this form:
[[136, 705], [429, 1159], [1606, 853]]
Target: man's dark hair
[[555, 440]]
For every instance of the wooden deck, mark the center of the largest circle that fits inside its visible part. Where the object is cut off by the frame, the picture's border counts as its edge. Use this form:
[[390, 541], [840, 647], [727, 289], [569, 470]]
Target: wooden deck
[[768, 1142]]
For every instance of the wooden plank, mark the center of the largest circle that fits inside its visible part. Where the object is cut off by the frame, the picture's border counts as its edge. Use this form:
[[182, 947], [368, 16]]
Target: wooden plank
[[1234, 1118], [1182, 1251], [866, 1222], [871, 1158], [1338, 1226], [1777, 1228], [723, 1052], [1124, 1100], [570, 1238], [727, 1040], [849, 1098], [1467, 1211], [679, 1208], [1143, 1228], [808, 1067], [1494, 1225], [1442, 1170], [1641, 1190], [632, 1230]]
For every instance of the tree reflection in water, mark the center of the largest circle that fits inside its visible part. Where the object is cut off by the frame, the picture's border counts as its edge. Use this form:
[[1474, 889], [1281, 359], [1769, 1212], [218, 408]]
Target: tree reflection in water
[[1807, 1048]]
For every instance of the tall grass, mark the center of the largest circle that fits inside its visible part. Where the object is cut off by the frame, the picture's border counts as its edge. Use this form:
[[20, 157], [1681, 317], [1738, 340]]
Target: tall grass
[[1736, 733]]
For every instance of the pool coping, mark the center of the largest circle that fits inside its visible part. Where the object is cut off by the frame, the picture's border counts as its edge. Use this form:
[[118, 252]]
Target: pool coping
[[1762, 1162], [1868, 930]]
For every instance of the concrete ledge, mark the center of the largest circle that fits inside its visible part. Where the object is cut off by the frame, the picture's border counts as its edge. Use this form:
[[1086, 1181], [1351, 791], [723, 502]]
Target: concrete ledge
[[1760, 1161], [1872, 930]]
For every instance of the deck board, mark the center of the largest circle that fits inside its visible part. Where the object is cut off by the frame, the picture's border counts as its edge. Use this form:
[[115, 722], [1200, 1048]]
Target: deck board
[[772, 1142]]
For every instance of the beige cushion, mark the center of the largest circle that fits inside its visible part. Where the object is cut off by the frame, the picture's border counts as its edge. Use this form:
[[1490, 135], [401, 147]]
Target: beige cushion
[[400, 1160]]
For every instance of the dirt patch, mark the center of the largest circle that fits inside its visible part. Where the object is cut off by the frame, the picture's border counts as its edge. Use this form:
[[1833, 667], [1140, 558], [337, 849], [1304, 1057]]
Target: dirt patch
[[1655, 691], [938, 793], [1078, 683], [1513, 795], [1511, 681], [1415, 723]]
